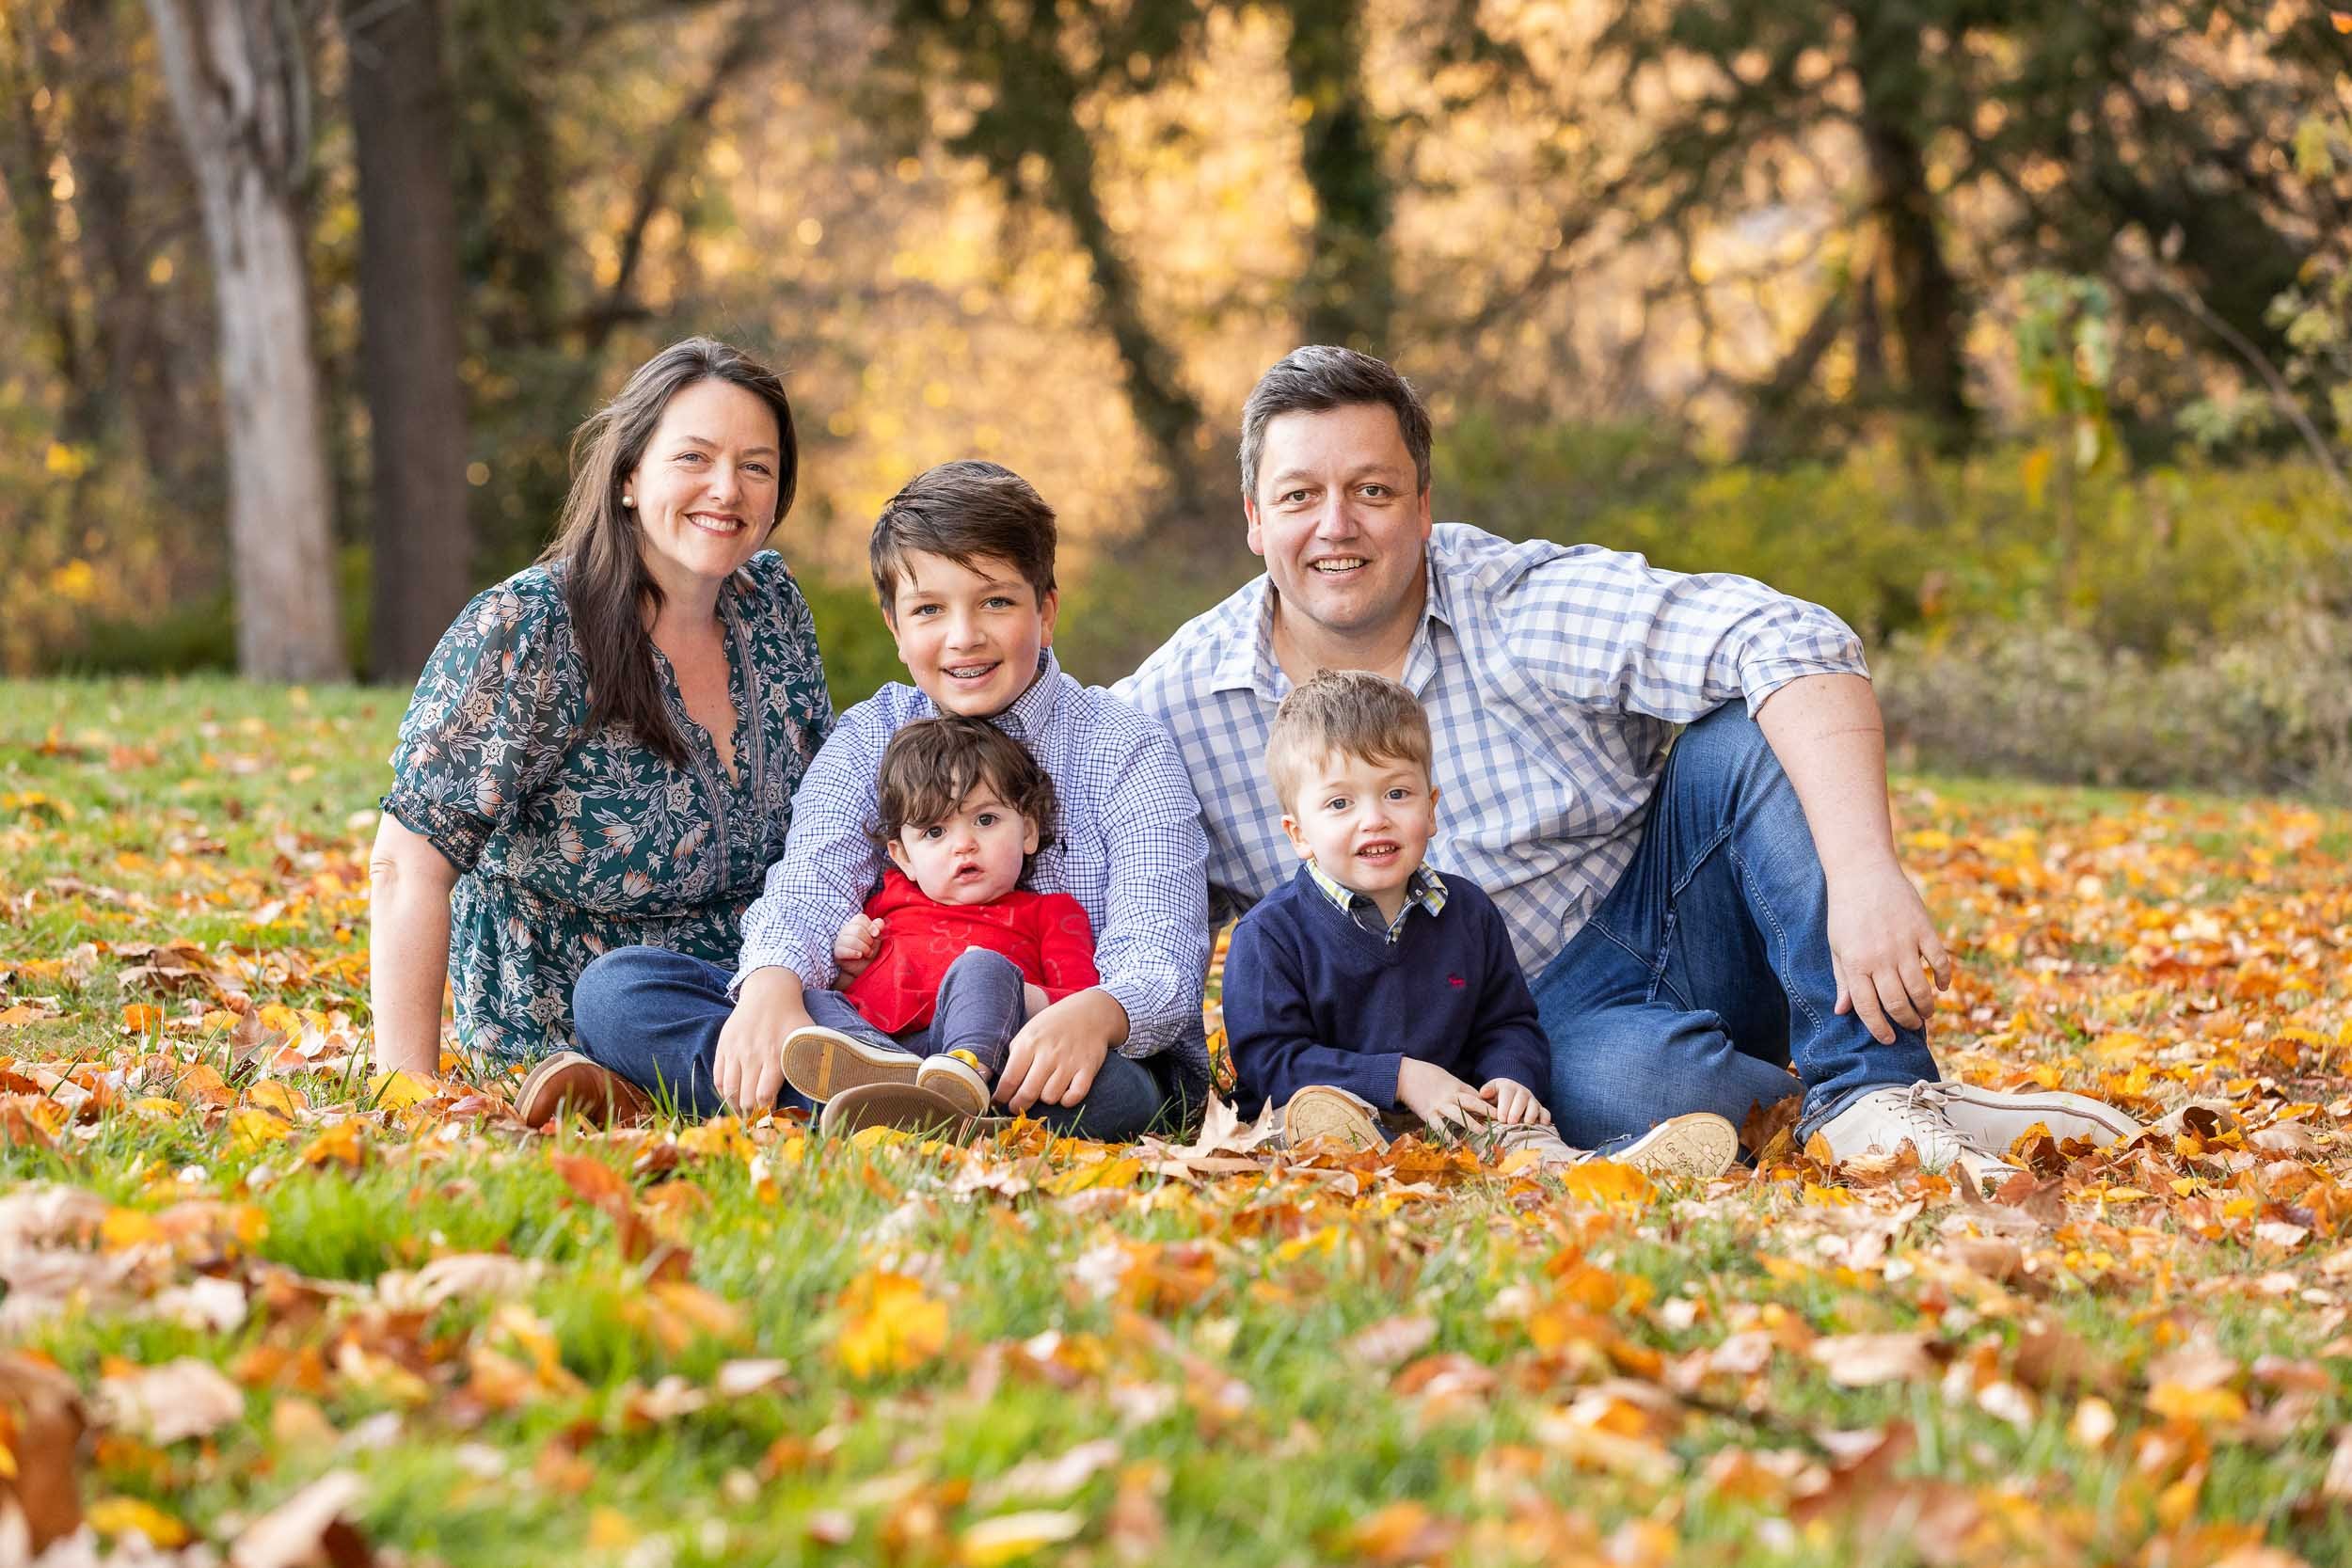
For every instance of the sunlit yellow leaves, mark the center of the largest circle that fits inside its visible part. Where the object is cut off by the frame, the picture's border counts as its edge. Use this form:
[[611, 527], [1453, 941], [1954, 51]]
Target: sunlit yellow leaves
[[342, 1144], [250, 1131], [129, 1515], [1014, 1537], [889, 1324], [1606, 1181], [398, 1089]]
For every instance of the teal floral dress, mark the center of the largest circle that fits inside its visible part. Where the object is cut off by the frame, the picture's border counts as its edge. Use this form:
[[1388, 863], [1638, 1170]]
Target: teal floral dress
[[571, 842]]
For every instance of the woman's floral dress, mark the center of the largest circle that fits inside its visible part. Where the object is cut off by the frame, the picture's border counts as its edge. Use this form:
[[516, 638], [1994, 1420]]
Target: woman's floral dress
[[571, 842]]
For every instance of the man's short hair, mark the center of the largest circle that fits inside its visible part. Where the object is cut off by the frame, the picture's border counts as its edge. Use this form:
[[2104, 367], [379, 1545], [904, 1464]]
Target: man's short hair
[[964, 511], [1318, 378], [932, 764], [1345, 713]]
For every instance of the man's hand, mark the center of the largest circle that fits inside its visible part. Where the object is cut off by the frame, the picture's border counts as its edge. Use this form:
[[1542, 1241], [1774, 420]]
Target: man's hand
[[1515, 1103], [853, 949], [1053, 1059], [749, 1065], [1442, 1100], [1883, 948]]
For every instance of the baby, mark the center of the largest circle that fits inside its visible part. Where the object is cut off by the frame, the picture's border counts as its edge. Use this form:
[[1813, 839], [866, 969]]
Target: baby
[[950, 957]]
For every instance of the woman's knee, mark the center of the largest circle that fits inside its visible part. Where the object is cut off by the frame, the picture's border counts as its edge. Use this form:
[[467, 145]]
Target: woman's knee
[[613, 980]]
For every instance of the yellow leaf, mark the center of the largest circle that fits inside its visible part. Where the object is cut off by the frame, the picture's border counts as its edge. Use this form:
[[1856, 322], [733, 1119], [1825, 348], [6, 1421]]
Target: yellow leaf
[[253, 1131], [397, 1091], [2178, 1402], [128, 1227], [1009, 1536], [1103, 1173], [279, 1018], [608, 1530], [1607, 1181], [121, 1515], [891, 1324], [271, 1094], [340, 1143], [142, 1018], [157, 1107]]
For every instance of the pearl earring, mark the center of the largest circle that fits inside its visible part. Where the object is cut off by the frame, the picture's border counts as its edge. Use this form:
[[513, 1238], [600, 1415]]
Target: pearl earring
[[629, 500]]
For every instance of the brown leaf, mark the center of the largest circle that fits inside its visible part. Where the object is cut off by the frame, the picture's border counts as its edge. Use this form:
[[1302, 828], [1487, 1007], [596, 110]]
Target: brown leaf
[[40, 1431]]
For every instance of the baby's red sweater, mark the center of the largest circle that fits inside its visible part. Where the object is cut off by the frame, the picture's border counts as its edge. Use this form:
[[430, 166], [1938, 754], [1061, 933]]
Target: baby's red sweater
[[1047, 935]]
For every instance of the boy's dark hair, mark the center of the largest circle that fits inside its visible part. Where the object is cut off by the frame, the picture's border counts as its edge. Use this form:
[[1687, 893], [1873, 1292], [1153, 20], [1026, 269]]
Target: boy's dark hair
[[932, 764], [964, 511], [1317, 380], [1346, 713]]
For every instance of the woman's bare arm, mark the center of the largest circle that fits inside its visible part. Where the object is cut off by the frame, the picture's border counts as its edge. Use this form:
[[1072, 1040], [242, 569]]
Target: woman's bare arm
[[408, 946]]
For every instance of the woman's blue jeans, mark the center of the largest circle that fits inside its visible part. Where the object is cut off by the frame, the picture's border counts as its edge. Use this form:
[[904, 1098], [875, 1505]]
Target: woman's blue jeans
[[1705, 973], [654, 1015]]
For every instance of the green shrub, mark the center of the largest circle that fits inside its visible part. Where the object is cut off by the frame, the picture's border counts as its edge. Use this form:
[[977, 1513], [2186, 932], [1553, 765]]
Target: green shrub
[[2269, 712]]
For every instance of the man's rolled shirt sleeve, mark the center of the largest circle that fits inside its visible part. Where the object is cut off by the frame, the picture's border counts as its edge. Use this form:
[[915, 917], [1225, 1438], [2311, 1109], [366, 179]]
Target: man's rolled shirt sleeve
[[1602, 627]]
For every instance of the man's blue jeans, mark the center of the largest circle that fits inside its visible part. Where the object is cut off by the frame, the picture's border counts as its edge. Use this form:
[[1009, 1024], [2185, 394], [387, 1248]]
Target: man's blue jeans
[[1705, 971], [654, 1015]]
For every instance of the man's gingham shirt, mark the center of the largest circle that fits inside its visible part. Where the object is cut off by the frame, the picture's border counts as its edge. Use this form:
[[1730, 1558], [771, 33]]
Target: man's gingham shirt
[[1127, 844], [1553, 675]]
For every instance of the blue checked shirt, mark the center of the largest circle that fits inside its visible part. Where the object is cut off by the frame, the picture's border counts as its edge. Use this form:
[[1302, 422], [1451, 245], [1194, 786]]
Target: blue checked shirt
[[1553, 675], [1127, 844]]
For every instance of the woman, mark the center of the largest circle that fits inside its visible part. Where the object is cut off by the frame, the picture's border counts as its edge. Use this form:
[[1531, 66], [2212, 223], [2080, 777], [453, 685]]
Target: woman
[[603, 751]]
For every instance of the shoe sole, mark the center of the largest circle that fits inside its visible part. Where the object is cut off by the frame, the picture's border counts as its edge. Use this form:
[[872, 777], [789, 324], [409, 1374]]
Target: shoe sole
[[1697, 1145], [822, 1063], [906, 1107], [954, 1082], [2049, 1106], [1330, 1117]]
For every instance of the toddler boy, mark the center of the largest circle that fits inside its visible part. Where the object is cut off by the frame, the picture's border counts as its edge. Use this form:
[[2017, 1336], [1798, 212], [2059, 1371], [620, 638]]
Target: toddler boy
[[1370, 985]]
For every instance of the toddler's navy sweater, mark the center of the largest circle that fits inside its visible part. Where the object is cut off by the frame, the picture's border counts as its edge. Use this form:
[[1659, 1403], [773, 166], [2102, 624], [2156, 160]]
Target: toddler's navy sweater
[[1312, 997]]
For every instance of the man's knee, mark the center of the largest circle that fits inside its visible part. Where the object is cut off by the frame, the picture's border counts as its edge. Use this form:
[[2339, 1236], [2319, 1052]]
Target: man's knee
[[1726, 740]]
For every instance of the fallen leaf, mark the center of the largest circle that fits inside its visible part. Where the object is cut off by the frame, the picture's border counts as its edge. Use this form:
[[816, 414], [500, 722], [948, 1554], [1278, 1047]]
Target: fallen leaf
[[1863, 1360], [307, 1529], [185, 1398], [40, 1435]]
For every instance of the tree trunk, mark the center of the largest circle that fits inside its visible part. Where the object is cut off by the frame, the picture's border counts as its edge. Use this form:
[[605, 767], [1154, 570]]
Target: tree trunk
[[409, 331], [134, 349], [235, 71], [1349, 291], [1922, 295]]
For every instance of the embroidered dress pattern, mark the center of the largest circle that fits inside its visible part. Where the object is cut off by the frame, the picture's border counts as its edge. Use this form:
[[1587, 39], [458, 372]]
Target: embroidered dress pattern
[[570, 842]]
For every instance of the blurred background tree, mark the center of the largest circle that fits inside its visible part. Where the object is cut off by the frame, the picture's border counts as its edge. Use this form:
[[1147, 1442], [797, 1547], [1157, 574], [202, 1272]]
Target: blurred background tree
[[1826, 292]]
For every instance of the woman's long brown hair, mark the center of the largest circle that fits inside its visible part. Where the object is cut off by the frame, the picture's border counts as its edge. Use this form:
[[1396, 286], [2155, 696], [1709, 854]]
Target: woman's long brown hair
[[606, 585]]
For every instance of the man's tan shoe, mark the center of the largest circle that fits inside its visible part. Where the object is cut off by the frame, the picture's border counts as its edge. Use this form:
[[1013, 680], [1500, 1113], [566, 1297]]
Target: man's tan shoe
[[821, 1062], [569, 1081], [908, 1107]]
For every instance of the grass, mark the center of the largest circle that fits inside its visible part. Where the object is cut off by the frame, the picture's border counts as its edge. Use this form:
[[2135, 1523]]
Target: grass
[[1038, 1351]]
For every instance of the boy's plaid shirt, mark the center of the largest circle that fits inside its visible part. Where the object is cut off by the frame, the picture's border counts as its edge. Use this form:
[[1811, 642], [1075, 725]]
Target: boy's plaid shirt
[[1127, 847], [1553, 675]]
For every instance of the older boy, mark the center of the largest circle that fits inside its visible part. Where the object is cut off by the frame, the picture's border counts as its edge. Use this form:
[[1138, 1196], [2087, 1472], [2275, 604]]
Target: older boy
[[1368, 984], [963, 561]]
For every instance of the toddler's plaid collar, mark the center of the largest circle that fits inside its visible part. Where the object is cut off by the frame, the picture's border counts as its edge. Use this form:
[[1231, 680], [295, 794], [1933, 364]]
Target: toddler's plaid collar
[[1426, 891]]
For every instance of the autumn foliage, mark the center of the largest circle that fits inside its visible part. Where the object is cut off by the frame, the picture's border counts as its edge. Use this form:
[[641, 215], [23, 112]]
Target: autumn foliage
[[266, 1304]]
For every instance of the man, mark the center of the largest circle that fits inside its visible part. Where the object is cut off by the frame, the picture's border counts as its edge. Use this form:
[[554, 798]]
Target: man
[[1693, 921]]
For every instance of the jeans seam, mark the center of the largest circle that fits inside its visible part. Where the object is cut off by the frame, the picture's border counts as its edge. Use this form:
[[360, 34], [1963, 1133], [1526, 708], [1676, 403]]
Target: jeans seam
[[1780, 938]]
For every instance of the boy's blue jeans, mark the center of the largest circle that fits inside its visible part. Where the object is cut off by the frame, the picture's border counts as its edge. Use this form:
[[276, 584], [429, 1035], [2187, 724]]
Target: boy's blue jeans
[[654, 1015], [1705, 971]]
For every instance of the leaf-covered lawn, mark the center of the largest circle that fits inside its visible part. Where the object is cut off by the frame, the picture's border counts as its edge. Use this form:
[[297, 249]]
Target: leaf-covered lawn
[[307, 1314]]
